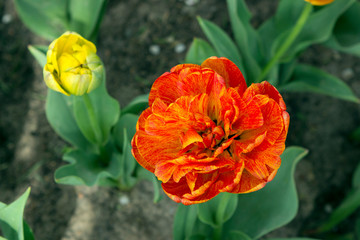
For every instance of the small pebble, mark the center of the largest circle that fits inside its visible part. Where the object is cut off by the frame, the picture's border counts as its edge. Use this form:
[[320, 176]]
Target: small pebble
[[154, 49], [191, 2], [6, 18], [328, 208], [124, 200], [180, 47], [347, 73]]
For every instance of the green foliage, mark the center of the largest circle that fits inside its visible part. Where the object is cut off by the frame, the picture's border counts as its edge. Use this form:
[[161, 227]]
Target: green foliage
[[39, 53], [217, 211], [137, 105], [12, 224], [252, 215], [51, 18], [306, 78], [346, 33], [199, 51], [260, 54]]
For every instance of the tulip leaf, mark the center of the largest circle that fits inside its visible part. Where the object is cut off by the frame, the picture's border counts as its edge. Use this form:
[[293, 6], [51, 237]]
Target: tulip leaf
[[199, 51], [356, 177], [272, 206], [218, 210], [347, 207], [106, 110], [246, 37], [11, 219], [357, 228], [46, 18], [59, 112], [238, 235], [310, 79], [317, 29], [85, 16], [142, 173], [184, 222], [126, 123], [127, 165], [137, 105], [86, 168], [346, 33], [222, 42], [291, 239], [39, 53]]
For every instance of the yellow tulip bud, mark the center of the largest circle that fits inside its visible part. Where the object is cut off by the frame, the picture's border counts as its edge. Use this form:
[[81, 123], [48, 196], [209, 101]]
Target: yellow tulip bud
[[319, 2], [72, 65]]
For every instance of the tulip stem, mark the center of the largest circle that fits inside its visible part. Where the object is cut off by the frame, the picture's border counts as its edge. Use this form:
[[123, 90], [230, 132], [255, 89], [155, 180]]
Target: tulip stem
[[288, 42], [92, 118]]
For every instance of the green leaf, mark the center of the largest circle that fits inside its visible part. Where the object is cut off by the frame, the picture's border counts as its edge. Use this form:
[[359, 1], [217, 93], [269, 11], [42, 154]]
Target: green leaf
[[39, 53], [142, 173], [291, 239], [86, 168], [28, 234], [45, 18], [346, 33], [85, 16], [287, 14], [356, 177], [246, 37], [357, 228], [1, 238], [59, 112], [238, 235], [107, 111], [317, 29], [347, 207], [199, 51], [222, 43], [310, 79], [137, 105], [126, 123], [184, 222], [218, 210], [11, 218], [273, 206], [127, 165]]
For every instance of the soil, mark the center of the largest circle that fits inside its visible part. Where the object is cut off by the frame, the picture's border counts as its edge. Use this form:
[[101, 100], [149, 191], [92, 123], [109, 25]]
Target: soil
[[30, 151]]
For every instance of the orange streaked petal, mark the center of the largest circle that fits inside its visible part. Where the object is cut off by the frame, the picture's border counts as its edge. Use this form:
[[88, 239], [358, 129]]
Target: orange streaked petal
[[228, 70]]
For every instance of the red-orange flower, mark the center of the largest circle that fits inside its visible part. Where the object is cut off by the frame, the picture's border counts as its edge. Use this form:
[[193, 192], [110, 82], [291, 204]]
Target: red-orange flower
[[205, 132]]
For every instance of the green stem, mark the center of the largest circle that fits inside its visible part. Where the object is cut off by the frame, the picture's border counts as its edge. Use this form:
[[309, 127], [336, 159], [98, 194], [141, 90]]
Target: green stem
[[220, 212], [218, 232], [288, 42], [92, 118]]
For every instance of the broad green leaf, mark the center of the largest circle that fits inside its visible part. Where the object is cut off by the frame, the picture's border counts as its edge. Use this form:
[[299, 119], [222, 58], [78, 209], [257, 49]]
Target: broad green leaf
[[245, 37], [356, 177], [142, 173], [137, 105], [221, 42], [11, 218], [273, 206], [199, 51], [127, 165], [286, 70], [184, 222], [59, 112], [238, 235], [39, 53], [287, 14], [357, 228], [86, 168], [107, 111], [28, 234], [346, 33], [126, 122], [311, 79], [291, 239], [1, 238], [347, 207], [46, 18], [85, 16], [317, 29], [218, 210]]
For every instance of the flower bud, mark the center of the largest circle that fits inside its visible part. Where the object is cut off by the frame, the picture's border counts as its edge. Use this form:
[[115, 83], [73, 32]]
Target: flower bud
[[72, 65], [319, 2]]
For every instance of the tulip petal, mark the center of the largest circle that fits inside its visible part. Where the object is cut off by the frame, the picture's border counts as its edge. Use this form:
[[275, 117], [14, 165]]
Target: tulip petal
[[228, 70]]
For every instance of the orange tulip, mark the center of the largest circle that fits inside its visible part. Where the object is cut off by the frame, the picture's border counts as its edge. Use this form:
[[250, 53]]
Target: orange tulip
[[319, 2], [205, 132]]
